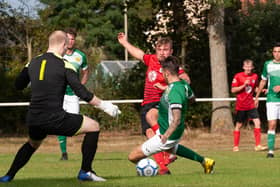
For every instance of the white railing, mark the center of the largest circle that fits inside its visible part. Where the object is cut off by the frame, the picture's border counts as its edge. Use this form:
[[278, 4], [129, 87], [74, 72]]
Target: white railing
[[130, 101]]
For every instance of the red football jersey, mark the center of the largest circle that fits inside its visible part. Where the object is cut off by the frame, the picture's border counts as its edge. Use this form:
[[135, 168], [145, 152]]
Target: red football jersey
[[153, 76], [245, 98]]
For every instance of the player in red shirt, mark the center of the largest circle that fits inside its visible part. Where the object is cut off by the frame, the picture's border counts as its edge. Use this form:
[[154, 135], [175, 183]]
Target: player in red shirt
[[153, 89], [244, 85]]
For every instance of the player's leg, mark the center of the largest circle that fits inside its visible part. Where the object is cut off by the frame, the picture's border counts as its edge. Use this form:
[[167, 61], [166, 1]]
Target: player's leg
[[24, 153], [207, 163], [148, 148], [63, 147], [272, 115], [254, 115], [236, 136], [257, 135], [240, 118], [90, 128], [136, 155], [150, 113], [151, 118], [271, 137]]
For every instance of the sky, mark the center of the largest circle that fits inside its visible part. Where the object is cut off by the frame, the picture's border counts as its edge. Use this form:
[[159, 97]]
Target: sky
[[31, 5]]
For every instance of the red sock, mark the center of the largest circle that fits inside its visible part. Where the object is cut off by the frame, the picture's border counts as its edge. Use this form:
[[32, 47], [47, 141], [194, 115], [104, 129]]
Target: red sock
[[159, 158], [166, 157], [257, 133], [155, 127], [236, 135]]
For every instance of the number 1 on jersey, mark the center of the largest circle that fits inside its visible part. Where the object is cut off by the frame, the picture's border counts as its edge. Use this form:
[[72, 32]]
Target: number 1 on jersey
[[42, 70]]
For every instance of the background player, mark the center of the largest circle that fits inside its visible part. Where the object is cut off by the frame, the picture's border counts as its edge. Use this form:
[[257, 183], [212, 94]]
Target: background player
[[244, 86], [271, 74], [71, 102], [172, 112]]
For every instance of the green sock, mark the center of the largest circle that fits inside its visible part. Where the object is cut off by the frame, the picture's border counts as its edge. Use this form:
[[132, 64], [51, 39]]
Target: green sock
[[271, 140], [62, 143], [188, 153]]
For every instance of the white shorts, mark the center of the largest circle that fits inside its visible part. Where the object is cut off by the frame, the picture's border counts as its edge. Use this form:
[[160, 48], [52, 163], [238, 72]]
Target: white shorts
[[71, 104], [273, 110], [154, 145]]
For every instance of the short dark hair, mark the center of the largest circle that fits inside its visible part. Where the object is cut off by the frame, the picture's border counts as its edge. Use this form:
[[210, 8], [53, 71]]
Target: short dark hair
[[247, 61], [171, 64], [71, 30], [276, 44]]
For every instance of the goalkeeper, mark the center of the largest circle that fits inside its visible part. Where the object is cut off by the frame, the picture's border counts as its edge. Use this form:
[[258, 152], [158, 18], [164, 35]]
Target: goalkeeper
[[49, 74]]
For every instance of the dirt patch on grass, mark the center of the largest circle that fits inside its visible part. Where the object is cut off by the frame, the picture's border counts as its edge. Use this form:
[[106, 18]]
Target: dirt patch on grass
[[124, 142]]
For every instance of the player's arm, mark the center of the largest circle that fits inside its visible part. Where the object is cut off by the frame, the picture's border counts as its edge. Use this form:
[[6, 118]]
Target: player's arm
[[259, 90], [176, 113], [84, 76], [82, 92], [160, 86], [22, 79], [185, 77], [133, 51], [236, 89]]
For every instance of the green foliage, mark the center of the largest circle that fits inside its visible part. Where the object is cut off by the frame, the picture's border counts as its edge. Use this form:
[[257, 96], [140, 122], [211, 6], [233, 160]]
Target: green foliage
[[199, 115], [111, 88], [97, 21], [252, 35], [16, 29], [130, 84]]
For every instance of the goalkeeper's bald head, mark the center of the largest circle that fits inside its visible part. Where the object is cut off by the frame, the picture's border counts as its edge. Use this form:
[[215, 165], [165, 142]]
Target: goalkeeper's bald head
[[58, 41], [57, 38]]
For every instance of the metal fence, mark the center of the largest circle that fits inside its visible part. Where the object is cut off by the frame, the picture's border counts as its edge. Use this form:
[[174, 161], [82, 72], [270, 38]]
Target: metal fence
[[130, 101]]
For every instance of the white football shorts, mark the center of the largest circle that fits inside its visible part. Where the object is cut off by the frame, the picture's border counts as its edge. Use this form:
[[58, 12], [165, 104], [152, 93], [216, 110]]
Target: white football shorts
[[71, 104], [154, 145], [273, 110]]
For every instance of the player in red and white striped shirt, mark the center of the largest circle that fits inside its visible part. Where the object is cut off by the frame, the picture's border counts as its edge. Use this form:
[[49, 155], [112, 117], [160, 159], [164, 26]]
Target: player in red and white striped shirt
[[153, 89]]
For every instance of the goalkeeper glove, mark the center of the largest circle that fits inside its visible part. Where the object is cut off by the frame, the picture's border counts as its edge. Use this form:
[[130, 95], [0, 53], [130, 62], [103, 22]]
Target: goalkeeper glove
[[109, 108]]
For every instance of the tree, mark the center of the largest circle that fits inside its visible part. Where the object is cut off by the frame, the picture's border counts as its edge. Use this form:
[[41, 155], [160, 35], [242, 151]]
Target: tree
[[97, 22], [185, 24], [221, 112], [19, 28]]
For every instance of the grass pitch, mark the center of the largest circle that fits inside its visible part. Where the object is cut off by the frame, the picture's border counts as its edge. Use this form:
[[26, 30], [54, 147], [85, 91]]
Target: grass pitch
[[244, 168]]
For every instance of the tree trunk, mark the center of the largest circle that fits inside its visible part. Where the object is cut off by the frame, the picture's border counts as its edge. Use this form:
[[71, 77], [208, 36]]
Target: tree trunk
[[221, 112], [29, 47], [183, 51]]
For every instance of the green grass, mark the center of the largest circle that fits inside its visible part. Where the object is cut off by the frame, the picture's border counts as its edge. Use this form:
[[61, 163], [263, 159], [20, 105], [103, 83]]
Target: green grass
[[232, 169]]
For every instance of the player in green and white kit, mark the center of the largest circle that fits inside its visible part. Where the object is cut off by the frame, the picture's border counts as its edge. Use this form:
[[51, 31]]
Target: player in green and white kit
[[71, 101], [172, 111], [271, 74]]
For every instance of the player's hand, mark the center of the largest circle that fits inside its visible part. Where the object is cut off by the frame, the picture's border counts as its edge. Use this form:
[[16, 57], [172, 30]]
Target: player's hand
[[276, 89], [256, 102], [121, 37], [160, 86], [264, 91], [246, 82], [163, 138], [109, 108]]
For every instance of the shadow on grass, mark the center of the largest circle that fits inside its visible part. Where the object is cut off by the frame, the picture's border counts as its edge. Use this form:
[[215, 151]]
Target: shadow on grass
[[63, 182]]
